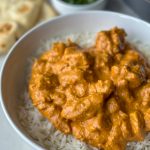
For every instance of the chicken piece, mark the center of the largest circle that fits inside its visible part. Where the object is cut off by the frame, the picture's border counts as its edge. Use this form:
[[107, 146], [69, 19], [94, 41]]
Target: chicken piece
[[144, 95], [120, 132], [124, 94], [112, 106], [55, 54], [125, 125], [102, 73], [130, 68], [76, 59], [133, 74], [79, 89], [147, 119], [99, 122], [72, 59], [137, 124], [78, 130], [59, 122], [70, 77], [131, 56], [136, 75], [84, 108], [37, 91], [117, 58], [59, 48], [112, 41], [47, 108], [102, 59], [103, 87], [38, 67], [52, 113], [126, 129], [102, 65], [58, 98], [115, 140], [60, 67], [94, 137], [97, 138], [40, 96]]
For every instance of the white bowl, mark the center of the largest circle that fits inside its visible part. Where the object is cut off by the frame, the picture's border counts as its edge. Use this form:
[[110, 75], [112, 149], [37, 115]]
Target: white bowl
[[14, 69], [66, 8]]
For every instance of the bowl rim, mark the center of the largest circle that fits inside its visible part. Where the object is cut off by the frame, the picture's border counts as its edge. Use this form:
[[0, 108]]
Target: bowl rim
[[31, 142], [93, 4]]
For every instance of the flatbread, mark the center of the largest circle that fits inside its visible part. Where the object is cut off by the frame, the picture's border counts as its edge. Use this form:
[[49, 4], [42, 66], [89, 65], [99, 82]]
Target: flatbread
[[25, 13], [4, 7], [47, 12], [19, 16], [8, 34]]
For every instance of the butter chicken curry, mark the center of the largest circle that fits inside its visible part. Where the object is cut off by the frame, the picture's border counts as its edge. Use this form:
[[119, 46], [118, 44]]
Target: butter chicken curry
[[100, 95]]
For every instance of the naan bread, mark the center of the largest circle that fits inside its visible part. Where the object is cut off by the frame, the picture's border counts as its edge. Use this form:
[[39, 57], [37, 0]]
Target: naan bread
[[8, 34], [46, 12], [37, 2], [4, 7], [25, 12], [10, 31], [18, 16]]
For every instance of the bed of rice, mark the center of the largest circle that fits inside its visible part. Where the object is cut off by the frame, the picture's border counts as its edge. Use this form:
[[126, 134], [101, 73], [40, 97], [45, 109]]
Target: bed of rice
[[41, 130]]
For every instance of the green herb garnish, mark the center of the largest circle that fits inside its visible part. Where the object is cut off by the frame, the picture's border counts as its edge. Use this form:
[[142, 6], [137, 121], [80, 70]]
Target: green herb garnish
[[79, 1]]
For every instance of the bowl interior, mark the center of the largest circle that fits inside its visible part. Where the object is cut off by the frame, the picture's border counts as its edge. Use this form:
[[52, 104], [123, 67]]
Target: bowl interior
[[14, 71]]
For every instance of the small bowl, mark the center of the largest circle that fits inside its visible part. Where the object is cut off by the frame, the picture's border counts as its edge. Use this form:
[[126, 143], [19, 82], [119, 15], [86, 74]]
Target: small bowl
[[15, 68], [66, 8]]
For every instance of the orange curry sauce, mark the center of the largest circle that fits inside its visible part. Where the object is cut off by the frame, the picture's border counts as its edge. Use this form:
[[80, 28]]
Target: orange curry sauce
[[100, 95]]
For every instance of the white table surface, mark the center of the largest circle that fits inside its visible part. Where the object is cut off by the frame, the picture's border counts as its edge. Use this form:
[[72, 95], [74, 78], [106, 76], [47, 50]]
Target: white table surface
[[9, 139]]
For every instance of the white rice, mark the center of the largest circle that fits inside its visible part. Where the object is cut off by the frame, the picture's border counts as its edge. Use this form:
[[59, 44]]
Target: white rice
[[41, 130]]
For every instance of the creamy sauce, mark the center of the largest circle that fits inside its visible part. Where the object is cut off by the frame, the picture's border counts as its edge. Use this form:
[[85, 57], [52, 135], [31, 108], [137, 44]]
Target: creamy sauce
[[101, 95]]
